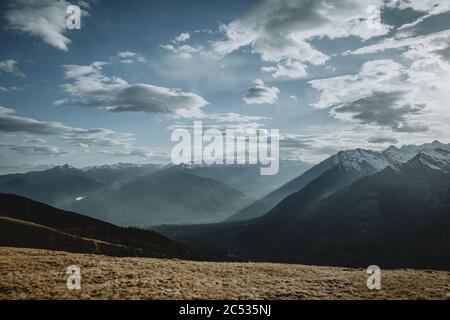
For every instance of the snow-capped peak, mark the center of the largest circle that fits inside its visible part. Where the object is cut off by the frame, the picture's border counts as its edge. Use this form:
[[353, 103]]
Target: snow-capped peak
[[360, 159], [438, 159]]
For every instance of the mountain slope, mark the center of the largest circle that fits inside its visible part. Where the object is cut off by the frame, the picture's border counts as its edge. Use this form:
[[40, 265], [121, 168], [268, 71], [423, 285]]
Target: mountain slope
[[120, 173], [397, 217], [353, 164], [167, 196], [55, 186], [23, 234], [28, 223], [247, 178]]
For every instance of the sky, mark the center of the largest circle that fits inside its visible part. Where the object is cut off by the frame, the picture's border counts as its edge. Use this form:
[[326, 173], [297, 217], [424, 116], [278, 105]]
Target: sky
[[329, 74]]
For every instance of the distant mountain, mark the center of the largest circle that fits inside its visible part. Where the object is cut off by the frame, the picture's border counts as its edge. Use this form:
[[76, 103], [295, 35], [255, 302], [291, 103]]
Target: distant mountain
[[247, 178], [54, 186], [23, 168], [338, 171], [162, 197], [30, 224], [120, 173], [396, 217]]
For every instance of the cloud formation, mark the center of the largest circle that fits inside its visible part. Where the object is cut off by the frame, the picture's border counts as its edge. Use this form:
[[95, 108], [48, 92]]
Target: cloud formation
[[428, 8], [382, 140], [376, 95], [425, 73], [129, 57], [35, 149], [91, 88], [96, 137], [10, 66], [182, 37], [287, 69], [283, 30], [184, 51], [45, 19], [261, 94]]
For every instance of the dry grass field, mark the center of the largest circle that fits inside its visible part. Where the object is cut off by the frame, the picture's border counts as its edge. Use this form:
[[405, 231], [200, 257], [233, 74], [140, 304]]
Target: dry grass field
[[41, 274]]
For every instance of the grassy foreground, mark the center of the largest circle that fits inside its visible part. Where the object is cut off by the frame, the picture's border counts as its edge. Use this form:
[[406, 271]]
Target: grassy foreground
[[41, 274]]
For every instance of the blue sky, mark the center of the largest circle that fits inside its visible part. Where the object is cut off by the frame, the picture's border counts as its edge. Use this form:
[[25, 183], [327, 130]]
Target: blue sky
[[330, 75]]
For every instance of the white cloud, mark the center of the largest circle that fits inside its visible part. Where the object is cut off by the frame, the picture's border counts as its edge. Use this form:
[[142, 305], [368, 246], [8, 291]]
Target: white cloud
[[280, 30], [232, 117], [45, 19], [183, 37], [426, 72], [184, 51], [287, 69], [91, 88], [10, 66], [94, 137], [374, 76], [129, 57], [35, 149], [382, 140], [429, 8], [261, 94], [377, 95], [138, 152]]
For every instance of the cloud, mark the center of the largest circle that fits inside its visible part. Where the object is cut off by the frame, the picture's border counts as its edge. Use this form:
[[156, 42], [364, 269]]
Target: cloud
[[382, 140], [221, 127], [377, 95], [425, 72], [138, 152], [33, 140], [314, 148], [36, 150], [183, 37], [284, 29], [232, 117], [184, 51], [96, 137], [429, 8], [91, 88], [129, 57], [261, 94], [287, 70], [384, 109], [10, 66], [433, 41], [374, 76], [45, 19]]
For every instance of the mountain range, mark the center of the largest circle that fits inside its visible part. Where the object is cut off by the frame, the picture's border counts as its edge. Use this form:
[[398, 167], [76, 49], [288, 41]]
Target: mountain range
[[133, 194], [358, 207], [334, 173], [55, 186], [166, 196], [387, 208]]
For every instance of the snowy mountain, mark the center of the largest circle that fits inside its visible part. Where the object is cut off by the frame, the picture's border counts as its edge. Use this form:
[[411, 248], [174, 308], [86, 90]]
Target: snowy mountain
[[339, 171], [121, 172], [396, 217]]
